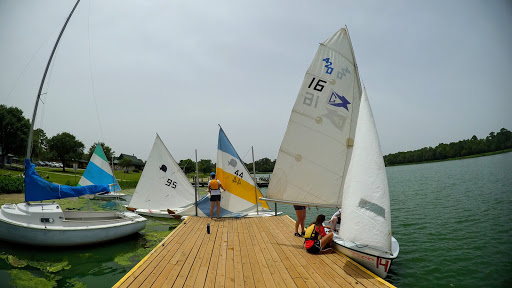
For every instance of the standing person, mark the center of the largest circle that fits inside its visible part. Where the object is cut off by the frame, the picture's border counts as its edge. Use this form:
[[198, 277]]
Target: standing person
[[335, 219], [214, 188], [316, 238], [300, 211]]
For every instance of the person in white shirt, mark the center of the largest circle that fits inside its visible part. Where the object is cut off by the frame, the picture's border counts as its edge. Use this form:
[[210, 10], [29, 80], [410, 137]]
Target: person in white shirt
[[335, 219]]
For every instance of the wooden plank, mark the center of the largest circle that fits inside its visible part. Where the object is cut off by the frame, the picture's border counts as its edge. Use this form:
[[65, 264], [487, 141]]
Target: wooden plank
[[203, 254], [245, 252], [136, 271], [245, 247], [205, 264], [213, 266], [237, 256], [260, 248], [220, 278], [187, 266], [230, 266], [291, 248], [173, 266]]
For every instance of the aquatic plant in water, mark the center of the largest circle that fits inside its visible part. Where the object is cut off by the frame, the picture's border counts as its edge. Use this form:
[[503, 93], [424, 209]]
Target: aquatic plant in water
[[22, 279]]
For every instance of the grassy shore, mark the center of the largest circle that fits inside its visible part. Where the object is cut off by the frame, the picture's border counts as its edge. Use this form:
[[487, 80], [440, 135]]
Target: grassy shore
[[457, 158]]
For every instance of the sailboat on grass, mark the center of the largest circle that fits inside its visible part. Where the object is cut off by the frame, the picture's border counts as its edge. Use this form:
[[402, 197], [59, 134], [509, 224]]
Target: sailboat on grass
[[242, 196], [330, 157], [46, 224], [98, 172], [163, 189]]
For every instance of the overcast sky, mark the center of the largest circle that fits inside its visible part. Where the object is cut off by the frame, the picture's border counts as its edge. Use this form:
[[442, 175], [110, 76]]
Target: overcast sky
[[435, 71]]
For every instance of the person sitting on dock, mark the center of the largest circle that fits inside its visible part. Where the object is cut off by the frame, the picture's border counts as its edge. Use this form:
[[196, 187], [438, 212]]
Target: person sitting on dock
[[335, 220], [316, 239], [214, 188]]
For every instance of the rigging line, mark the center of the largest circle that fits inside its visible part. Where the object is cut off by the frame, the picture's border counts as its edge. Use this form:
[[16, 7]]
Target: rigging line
[[90, 71], [28, 63]]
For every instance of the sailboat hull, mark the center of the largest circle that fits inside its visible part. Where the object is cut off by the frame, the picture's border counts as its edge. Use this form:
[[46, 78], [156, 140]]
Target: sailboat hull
[[377, 262], [45, 224]]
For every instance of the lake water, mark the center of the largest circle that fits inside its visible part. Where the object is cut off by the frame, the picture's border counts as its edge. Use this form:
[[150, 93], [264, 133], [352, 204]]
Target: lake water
[[453, 221]]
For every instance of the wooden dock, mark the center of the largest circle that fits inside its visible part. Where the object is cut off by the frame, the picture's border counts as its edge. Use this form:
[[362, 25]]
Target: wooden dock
[[243, 252]]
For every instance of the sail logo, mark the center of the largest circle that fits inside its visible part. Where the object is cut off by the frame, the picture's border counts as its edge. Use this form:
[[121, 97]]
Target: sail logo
[[338, 101], [328, 65]]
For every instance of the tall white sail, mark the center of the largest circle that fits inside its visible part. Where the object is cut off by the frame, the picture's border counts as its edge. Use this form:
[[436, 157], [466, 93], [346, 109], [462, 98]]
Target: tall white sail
[[366, 217], [313, 157], [162, 185]]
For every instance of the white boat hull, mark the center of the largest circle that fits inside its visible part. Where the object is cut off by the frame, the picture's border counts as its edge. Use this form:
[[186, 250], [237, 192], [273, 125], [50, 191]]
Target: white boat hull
[[377, 262], [45, 224]]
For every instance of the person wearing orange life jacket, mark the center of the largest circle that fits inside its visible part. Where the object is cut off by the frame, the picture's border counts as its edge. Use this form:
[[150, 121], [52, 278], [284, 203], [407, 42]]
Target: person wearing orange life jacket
[[316, 239], [214, 188]]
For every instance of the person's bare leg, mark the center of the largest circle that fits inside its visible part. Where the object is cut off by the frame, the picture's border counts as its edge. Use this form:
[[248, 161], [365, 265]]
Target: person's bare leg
[[211, 209], [298, 213], [303, 220], [326, 241], [218, 209]]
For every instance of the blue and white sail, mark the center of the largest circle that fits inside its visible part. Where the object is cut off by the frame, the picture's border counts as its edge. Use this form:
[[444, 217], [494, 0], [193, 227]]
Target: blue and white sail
[[38, 189], [98, 171]]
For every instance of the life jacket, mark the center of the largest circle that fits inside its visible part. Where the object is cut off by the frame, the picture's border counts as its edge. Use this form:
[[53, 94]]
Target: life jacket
[[214, 184], [311, 233]]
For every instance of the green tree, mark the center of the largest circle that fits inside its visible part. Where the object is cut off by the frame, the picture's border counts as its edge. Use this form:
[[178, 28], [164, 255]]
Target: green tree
[[66, 147], [39, 144], [206, 166], [106, 149], [126, 163], [188, 166], [14, 130]]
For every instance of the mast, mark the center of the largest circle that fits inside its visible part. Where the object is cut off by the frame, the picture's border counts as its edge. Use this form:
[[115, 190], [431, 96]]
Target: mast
[[254, 178], [31, 133], [196, 184]]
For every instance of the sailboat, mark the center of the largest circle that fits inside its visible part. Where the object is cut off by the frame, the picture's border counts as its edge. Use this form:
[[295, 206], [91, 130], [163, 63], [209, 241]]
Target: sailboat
[[242, 196], [330, 157], [46, 224], [98, 172], [163, 189]]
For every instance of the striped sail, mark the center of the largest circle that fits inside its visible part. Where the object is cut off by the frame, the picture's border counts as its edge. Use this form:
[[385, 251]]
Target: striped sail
[[240, 196], [98, 171]]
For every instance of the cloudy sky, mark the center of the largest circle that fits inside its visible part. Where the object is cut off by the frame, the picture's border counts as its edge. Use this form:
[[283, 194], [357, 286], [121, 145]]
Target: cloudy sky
[[435, 71]]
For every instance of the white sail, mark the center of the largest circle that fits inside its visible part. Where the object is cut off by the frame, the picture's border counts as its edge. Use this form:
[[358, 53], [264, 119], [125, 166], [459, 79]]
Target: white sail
[[162, 185], [366, 217], [313, 157]]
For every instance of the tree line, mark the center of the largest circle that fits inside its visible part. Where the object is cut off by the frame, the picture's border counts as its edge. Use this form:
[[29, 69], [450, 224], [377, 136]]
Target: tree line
[[501, 140], [65, 147]]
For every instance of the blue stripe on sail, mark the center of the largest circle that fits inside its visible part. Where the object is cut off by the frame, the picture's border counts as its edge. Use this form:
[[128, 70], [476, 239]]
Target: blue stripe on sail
[[97, 175], [204, 206], [225, 146]]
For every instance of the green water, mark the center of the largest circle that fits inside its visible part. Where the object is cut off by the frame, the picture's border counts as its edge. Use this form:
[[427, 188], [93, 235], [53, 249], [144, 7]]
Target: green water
[[453, 221]]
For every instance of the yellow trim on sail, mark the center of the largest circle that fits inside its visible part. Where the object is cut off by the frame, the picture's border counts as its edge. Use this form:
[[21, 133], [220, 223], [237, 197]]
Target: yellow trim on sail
[[239, 187]]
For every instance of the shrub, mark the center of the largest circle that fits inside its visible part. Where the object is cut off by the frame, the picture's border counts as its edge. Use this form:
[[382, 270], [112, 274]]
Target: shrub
[[128, 184], [10, 185]]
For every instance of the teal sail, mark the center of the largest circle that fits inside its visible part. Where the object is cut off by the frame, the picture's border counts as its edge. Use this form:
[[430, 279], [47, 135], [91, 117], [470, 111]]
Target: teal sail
[[98, 171]]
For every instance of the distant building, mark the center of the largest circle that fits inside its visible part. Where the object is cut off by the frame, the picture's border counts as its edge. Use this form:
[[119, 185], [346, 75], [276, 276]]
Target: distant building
[[136, 162]]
